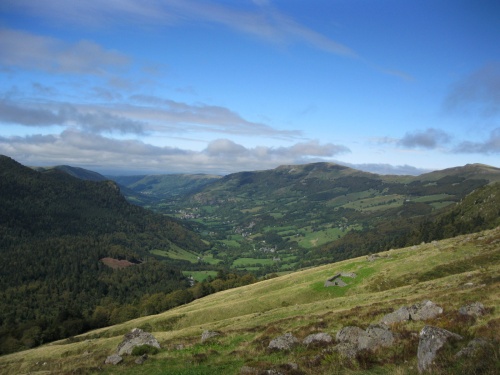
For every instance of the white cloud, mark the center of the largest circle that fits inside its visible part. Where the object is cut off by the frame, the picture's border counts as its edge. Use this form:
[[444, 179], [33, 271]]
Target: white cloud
[[220, 156]]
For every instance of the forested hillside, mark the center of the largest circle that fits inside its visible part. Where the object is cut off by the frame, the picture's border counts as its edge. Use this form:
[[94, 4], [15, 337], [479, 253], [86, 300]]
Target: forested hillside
[[296, 216], [54, 231], [477, 211]]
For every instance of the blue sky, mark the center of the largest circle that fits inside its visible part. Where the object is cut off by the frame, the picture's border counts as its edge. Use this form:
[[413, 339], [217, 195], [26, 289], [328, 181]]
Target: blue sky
[[183, 86]]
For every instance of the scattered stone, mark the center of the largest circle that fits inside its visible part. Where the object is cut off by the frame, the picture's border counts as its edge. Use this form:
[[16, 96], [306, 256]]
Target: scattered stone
[[136, 337], [377, 335], [425, 310], [353, 339], [475, 309], [285, 342], [141, 359], [207, 335], [420, 311], [113, 359], [431, 340], [318, 338], [347, 350], [350, 334], [179, 346], [473, 347], [400, 315]]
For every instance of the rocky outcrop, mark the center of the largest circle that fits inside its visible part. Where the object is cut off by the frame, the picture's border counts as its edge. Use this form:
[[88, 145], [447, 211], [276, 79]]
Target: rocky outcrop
[[353, 339], [420, 311], [431, 340], [473, 347], [283, 343], [113, 359], [318, 338], [136, 337], [475, 309], [207, 335]]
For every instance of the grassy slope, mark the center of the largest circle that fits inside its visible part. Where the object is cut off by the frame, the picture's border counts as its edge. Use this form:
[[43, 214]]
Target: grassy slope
[[250, 316]]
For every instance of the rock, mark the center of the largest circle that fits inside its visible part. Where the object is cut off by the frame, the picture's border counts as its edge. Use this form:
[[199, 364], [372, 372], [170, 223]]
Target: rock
[[400, 315], [473, 347], [475, 309], [318, 338], [431, 340], [141, 359], [285, 342], [425, 310], [113, 359], [377, 335], [207, 335], [350, 334], [347, 350], [136, 337], [420, 311]]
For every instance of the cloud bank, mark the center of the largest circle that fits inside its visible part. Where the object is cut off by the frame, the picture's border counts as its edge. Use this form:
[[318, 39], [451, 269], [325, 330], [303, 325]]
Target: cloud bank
[[221, 156]]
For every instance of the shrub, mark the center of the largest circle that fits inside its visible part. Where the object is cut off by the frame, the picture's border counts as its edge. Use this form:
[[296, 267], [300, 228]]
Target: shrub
[[145, 349]]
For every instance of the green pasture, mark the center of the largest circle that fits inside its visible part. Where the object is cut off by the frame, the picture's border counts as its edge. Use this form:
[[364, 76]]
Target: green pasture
[[244, 262], [200, 275]]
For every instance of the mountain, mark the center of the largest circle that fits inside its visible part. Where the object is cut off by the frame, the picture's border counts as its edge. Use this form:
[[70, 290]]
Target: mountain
[[300, 214], [88, 175], [165, 186], [58, 236], [81, 173], [452, 273]]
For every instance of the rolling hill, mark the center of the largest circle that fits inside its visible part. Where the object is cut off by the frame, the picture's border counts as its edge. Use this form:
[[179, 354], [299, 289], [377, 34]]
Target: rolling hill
[[452, 273], [305, 212]]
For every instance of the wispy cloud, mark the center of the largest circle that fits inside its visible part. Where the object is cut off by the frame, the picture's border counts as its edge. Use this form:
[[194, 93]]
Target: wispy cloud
[[137, 114], [477, 94], [260, 20], [428, 139], [21, 49], [51, 114], [487, 147], [165, 113]]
